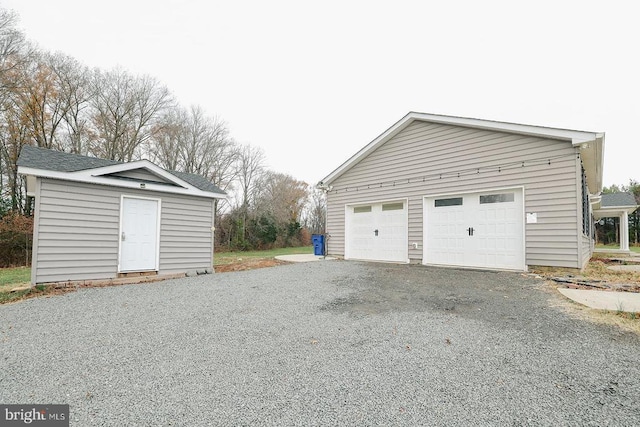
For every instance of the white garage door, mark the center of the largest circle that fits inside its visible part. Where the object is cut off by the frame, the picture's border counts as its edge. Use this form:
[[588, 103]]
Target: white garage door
[[377, 232], [475, 230]]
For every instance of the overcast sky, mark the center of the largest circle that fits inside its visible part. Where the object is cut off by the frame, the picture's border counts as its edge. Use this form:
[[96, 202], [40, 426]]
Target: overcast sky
[[313, 82]]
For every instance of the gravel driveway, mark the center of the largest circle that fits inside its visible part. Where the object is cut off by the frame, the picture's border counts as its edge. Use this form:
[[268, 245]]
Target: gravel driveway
[[322, 343]]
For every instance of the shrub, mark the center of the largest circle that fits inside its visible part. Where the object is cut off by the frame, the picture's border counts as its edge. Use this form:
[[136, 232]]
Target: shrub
[[15, 240]]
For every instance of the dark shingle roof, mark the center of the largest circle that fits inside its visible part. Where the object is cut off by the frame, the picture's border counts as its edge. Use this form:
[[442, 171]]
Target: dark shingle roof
[[197, 181], [46, 159], [617, 199]]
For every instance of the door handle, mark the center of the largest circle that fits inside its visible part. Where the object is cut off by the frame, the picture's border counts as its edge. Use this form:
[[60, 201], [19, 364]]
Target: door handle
[[122, 236], [375, 231], [470, 230]]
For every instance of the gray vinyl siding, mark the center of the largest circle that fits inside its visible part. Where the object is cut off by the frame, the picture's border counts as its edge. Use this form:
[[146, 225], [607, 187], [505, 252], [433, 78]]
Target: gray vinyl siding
[[409, 165], [78, 228], [186, 238]]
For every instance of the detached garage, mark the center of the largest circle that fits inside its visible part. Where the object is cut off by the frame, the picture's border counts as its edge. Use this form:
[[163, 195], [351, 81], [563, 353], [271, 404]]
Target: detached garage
[[97, 219], [455, 191]]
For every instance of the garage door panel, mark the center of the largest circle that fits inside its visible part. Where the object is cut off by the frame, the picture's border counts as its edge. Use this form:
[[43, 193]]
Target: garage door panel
[[481, 230], [378, 234]]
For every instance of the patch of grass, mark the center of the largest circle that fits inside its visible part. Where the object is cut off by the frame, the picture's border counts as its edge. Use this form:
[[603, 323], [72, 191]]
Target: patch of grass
[[19, 277], [596, 269], [635, 249], [14, 276], [7, 296], [224, 258]]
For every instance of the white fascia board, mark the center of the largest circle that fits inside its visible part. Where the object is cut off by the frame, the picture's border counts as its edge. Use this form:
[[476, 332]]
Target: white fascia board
[[613, 211], [576, 137], [113, 182], [140, 164]]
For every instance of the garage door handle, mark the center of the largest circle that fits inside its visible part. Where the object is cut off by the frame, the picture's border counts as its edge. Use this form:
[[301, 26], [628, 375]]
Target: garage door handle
[[375, 232], [470, 231]]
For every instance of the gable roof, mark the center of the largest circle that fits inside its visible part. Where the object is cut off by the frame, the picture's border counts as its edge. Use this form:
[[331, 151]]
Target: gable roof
[[591, 143], [44, 158], [44, 162], [622, 199]]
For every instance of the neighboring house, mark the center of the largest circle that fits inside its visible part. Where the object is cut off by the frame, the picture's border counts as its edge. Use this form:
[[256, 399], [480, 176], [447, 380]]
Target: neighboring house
[[102, 219], [617, 205], [465, 192]]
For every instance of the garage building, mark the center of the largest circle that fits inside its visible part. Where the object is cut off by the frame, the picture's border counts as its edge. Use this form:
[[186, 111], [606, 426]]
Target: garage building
[[455, 191]]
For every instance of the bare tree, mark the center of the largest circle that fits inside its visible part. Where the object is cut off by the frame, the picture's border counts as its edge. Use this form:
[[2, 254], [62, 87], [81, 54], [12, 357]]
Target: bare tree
[[12, 48], [14, 134], [75, 92], [315, 212], [190, 141], [165, 145], [283, 196], [250, 170], [40, 98], [124, 110]]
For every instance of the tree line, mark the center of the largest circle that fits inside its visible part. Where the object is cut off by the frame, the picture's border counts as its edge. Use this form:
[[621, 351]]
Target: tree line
[[52, 100]]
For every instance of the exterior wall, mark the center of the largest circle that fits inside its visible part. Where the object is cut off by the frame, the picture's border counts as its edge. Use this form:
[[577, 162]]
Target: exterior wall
[[410, 164], [77, 230]]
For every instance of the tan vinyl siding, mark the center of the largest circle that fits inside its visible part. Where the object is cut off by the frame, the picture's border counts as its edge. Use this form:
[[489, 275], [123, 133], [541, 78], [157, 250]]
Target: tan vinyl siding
[[410, 164], [71, 244], [186, 244], [78, 229]]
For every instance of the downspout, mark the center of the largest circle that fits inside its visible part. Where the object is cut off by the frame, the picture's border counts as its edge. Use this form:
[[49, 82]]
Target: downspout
[[213, 234], [325, 189], [579, 213]]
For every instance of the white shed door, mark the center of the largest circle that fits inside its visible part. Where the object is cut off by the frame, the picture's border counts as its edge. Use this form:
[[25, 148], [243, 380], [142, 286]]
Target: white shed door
[[139, 235], [475, 230], [377, 232]]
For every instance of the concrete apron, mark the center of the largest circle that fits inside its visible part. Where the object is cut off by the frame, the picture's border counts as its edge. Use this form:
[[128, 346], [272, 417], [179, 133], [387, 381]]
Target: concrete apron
[[604, 300], [303, 258]]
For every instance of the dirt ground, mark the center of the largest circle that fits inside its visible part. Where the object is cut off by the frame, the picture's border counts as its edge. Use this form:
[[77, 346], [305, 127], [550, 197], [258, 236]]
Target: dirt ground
[[248, 264]]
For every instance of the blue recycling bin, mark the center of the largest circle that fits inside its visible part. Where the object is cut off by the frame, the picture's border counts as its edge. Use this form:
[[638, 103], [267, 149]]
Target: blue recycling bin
[[318, 244]]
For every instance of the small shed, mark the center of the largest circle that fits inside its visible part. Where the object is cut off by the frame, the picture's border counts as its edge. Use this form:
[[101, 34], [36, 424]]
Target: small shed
[[102, 219]]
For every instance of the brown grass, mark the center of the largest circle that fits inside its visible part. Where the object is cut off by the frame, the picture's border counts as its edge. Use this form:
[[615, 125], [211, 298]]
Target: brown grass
[[595, 270]]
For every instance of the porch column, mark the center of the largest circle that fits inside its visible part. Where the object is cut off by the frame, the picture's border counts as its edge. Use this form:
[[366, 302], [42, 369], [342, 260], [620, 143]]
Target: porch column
[[624, 231]]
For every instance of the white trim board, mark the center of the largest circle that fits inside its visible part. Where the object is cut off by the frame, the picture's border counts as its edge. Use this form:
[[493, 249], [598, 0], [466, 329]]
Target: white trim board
[[88, 176]]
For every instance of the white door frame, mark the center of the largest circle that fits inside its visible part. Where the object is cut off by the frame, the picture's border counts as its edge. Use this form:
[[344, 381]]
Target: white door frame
[[120, 230], [425, 220]]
